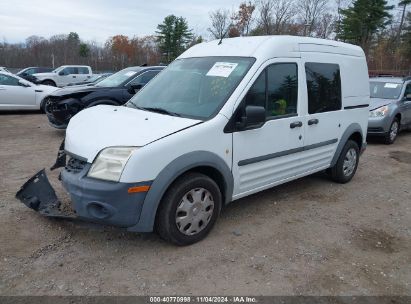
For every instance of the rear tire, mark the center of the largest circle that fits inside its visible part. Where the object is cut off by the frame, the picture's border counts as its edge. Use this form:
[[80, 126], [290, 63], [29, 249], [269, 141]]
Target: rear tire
[[189, 209], [347, 163], [392, 134]]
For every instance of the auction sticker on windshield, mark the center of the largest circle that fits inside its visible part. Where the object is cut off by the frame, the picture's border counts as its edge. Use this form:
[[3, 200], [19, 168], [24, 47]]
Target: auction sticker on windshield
[[222, 69], [391, 85]]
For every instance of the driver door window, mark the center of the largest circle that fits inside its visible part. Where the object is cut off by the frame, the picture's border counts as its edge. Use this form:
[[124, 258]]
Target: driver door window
[[276, 89]]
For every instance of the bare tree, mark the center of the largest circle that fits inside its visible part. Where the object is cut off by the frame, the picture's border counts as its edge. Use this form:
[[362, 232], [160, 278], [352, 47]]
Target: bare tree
[[283, 11], [325, 26], [309, 12], [265, 22], [220, 23], [275, 16]]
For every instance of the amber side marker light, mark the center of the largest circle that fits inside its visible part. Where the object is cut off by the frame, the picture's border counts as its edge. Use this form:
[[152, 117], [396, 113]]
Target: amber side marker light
[[138, 189]]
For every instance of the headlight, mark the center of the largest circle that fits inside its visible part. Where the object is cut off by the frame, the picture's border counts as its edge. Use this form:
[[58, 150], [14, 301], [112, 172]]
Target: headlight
[[110, 163], [380, 112]]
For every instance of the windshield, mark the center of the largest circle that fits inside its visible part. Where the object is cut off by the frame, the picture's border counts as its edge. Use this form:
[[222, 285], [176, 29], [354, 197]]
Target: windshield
[[193, 87], [385, 90], [116, 79], [58, 69]]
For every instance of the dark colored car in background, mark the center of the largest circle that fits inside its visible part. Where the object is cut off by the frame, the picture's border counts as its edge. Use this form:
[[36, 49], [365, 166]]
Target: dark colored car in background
[[27, 73], [115, 90]]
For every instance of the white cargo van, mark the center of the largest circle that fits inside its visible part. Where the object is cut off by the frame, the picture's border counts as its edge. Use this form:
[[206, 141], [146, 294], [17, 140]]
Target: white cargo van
[[225, 120]]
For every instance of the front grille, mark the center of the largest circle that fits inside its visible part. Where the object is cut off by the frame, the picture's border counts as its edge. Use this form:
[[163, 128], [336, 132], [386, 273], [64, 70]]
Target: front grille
[[75, 165]]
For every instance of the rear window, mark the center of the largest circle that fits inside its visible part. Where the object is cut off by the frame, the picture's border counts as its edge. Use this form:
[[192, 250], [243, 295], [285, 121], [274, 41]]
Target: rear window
[[385, 90]]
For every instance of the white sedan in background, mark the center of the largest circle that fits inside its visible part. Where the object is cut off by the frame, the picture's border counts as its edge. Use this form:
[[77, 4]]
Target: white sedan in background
[[19, 94]]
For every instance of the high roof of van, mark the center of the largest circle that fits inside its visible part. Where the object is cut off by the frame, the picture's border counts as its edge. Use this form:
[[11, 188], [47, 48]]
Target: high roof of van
[[266, 47]]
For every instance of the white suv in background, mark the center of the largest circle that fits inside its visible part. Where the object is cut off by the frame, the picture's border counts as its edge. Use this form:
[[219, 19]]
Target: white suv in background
[[64, 75]]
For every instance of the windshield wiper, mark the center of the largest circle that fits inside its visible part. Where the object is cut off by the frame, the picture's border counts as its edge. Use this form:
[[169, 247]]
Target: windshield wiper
[[158, 110]]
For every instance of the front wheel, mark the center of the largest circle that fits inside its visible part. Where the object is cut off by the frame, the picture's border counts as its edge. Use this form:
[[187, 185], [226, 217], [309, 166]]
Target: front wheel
[[49, 83], [189, 209], [392, 134], [347, 163]]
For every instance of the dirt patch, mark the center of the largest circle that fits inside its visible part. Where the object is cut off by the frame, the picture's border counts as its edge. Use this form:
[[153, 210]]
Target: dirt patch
[[401, 156], [375, 240], [308, 237]]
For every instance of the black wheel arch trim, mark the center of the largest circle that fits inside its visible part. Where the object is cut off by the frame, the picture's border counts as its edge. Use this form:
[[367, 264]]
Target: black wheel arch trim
[[351, 129], [170, 173]]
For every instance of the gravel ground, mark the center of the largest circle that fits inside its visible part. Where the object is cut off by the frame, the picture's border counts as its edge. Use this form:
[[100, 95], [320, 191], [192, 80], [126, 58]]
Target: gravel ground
[[309, 237]]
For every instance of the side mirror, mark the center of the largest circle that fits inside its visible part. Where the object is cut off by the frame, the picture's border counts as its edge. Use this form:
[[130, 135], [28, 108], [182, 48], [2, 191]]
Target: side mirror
[[408, 97], [134, 88], [62, 73], [254, 117]]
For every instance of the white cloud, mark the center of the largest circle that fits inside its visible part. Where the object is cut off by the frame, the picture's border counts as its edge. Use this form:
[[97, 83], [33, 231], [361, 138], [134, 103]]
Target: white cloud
[[100, 19]]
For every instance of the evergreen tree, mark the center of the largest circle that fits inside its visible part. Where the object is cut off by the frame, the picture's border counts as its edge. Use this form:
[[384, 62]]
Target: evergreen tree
[[363, 20], [173, 37]]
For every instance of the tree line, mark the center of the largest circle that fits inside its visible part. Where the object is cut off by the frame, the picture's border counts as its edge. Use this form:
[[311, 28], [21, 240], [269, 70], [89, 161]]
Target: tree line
[[382, 30]]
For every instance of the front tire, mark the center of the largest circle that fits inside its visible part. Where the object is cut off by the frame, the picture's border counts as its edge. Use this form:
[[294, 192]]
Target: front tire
[[189, 209], [392, 134], [49, 83], [347, 163]]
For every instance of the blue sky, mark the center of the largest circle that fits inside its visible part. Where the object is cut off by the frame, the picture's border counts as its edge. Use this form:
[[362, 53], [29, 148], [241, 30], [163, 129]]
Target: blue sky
[[100, 19]]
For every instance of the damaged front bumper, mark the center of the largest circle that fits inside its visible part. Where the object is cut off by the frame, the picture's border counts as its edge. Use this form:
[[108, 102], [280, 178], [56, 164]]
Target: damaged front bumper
[[92, 200], [38, 194], [60, 112]]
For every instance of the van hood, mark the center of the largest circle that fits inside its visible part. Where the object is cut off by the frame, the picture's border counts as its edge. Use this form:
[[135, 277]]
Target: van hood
[[104, 126], [376, 103]]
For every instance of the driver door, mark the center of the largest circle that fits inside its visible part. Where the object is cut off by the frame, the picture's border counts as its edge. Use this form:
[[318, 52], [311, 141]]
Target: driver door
[[271, 154], [406, 105]]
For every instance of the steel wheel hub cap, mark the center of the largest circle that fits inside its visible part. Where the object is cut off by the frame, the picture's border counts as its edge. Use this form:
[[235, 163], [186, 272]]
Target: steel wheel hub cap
[[194, 211], [350, 162]]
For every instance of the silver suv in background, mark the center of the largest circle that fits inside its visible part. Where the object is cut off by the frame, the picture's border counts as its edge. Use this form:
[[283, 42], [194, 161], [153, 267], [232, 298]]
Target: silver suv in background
[[390, 107]]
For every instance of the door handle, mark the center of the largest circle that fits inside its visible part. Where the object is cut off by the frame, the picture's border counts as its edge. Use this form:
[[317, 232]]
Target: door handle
[[314, 121], [2, 89], [297, 124], [74, 76]]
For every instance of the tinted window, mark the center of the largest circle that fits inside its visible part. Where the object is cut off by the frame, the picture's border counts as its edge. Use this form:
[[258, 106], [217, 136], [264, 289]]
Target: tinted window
[[276, 89], [324, 87], [144, 78], [8, 80], [256, 96], [282, 89], [407, 90], [83, 70], [69, 71]]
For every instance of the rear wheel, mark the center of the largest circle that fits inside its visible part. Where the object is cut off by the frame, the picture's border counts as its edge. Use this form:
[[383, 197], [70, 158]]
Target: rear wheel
[[189, 209], [392, 134], [347, 163]]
